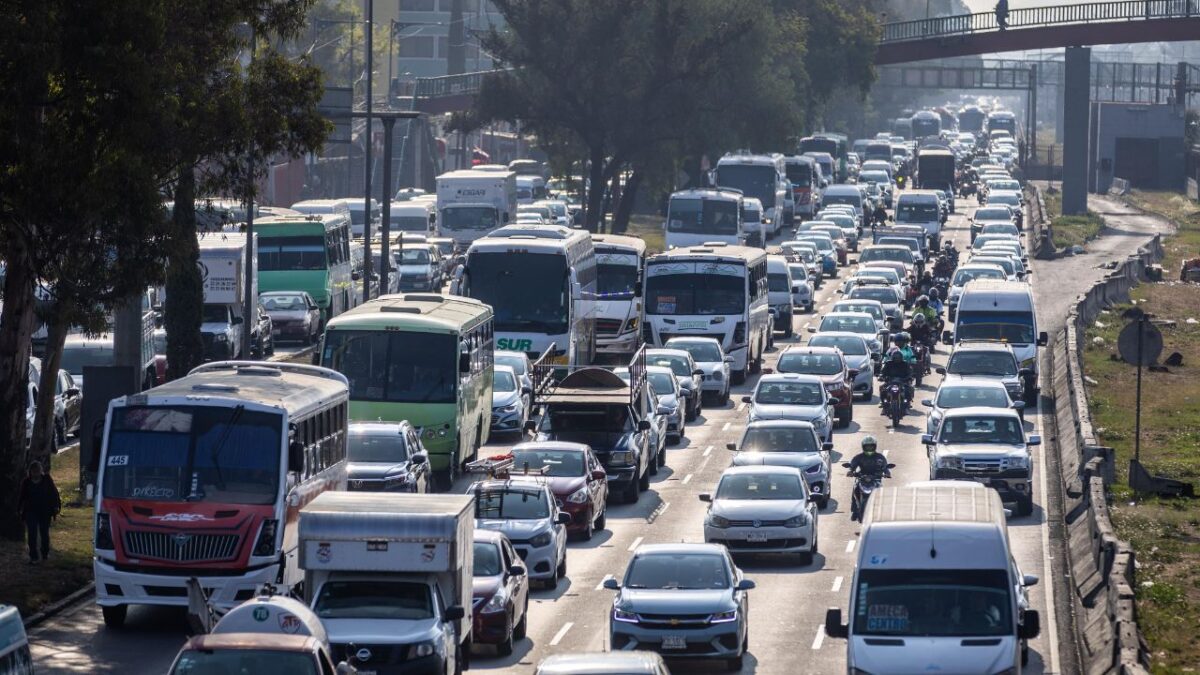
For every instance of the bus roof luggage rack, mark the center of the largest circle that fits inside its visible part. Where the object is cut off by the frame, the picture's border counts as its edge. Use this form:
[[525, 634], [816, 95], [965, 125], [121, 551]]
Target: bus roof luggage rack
[[588, 384]]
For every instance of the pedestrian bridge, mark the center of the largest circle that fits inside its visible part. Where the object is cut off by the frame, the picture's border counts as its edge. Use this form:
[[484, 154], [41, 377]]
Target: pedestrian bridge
[[1096, 23]]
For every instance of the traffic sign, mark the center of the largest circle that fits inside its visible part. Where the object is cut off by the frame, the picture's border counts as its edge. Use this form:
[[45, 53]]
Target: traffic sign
[[1152, 343]]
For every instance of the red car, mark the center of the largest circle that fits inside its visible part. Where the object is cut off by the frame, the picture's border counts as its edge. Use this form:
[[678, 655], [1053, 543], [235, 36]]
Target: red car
[[500, 600], [828, 364], [576, 478]]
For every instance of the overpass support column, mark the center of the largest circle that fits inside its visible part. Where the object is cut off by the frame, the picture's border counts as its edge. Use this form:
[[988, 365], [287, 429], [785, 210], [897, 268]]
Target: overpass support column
[[1077, 72]]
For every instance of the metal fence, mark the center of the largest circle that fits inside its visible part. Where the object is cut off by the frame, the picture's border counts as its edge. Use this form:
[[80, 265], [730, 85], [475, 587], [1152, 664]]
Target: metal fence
[[452, 85], [1096, 12]]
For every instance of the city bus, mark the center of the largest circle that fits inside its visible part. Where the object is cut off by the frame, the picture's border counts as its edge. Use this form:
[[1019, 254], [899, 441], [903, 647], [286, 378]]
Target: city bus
[[307, 253], [925, 123], [1002, 120], [713, 291], [541, 283], [204, 478], [762, 177], [620, 262], [971, 119], [421, 357], [706, 214]]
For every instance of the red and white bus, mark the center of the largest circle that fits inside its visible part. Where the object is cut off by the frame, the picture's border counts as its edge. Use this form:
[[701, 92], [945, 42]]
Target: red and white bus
[[205, 476]]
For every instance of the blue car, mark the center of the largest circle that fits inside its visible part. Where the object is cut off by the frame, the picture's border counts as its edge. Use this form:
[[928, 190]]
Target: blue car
[[685, 600]]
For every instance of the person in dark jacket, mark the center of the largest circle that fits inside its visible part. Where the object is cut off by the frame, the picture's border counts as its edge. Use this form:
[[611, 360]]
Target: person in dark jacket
[[39, 504]]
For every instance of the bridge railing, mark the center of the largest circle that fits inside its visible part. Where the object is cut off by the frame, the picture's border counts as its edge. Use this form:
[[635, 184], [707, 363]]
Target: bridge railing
[[1030, 17], [452, 85]]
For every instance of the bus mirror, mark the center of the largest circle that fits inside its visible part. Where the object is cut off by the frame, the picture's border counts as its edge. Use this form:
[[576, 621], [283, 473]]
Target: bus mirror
[[464, 363], [295, 455]]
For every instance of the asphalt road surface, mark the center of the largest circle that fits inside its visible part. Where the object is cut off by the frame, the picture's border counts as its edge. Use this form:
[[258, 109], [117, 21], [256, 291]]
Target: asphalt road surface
[[786, 609]]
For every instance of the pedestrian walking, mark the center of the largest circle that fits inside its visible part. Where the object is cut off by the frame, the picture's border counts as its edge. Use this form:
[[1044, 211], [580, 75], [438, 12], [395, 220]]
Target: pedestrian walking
[[39, 503], [1002, 14]]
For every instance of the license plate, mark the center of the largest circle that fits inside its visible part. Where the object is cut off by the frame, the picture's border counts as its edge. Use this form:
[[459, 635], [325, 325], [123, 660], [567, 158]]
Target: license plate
[[756, 536], [674, 642]]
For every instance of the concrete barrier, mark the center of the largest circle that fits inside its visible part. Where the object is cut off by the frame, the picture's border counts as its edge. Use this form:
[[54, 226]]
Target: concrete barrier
[[1041, 235], [1102, 567]]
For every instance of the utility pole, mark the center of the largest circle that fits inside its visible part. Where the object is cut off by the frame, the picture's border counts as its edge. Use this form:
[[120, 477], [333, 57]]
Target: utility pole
[[456, 54], [250, 299], [367, 147]]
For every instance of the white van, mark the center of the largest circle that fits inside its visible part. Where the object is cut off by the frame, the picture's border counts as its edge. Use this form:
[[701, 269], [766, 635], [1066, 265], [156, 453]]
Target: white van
[[335, 206], [779, 294], [936, 587], [921, 208], [1002, 311], [419, 217], [14, 645]]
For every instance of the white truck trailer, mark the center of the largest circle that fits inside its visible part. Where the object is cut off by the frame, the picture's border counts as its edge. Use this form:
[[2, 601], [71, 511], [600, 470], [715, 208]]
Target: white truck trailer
[[222, 265], [472, 202]]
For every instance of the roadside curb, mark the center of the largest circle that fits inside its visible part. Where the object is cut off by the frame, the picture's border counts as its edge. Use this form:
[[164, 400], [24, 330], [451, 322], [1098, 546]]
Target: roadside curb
[[302, 354], [56, 607]]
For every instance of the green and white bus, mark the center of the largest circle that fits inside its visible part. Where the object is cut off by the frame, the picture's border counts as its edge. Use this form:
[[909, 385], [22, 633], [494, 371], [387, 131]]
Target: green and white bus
[[424, 358], [307, 253]]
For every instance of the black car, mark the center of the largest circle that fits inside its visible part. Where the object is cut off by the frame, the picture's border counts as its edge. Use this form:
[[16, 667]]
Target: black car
[[386, 457], [294, 315]]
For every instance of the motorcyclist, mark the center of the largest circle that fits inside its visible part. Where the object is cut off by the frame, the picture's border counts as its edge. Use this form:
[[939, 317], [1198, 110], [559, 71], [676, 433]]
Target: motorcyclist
[[897, 369], [924, 308], [926, 281], [870, 462], [922, 331], [944, 265], [879, 216], [935, 302]]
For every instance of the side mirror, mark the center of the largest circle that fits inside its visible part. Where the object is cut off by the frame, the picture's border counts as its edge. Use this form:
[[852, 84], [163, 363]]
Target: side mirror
[[831, 400], [530, 426], [813, 329], [827, 446], [834, 627], [296, 455], [706, 497], [563, 519], [72, 392], [845, 465], [728, 359], [1025, 372], [927, 402], [746, 399], [644, 425], [891, 466], [1034, 440], [731, 446], [419, 458], [235, 321], [927, 439], [852, 373], [599, 474], [611, 584], [455, 613], [464, 363], [745, 585], [940, 370], [768, 371], [1031, 625], [1018, 405], [517, 570], [1029, 580], [1043, 339]]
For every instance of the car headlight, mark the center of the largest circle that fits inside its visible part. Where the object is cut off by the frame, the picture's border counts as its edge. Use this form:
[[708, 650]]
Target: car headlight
[[835, 386], [631, 325], [541, 540], [950, 462], [723, 617], [423, 649], [718, 375], [814, 469], [667, 409], [497, 603], [579, 496], [508, 408], [432, 432], [396, 480], [719, 522], [1018, 462], [624, 616], [221, 337], [796, 521], [621, 457]]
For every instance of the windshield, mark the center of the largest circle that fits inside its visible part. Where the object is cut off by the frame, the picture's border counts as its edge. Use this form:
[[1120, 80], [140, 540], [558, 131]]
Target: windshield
[[215, 314], [962, 276], [758, 181], [503, 381], [790, 393], [257, 661], [468, 218], [982, 363], [751, 215], [823, 244], [587, 419], [809, 364], [278, 254], [557, 463], [875, 311], [284, 302], [374, 599], [217, 454], [799, 173], [696, 293], [661, 383], [1010, 327], [702, 352], [941, 603], [678, 571], [1000, 228], [782, 439], [854, 200], [376, 447], [517, 363], [75, 358], [394, 366], [487, 559], [891, 275], [678, 364], [529, 292], [414, 256], [917, 212], [410, 224], [761, 487], [616, 280], [703, 216], [901, 255], [511, 505], [847, 324], [967, 397], [981, 429], [1007, 264], [1011, 200], [798, 272], [886, 295], [878, 177], [911, 244]]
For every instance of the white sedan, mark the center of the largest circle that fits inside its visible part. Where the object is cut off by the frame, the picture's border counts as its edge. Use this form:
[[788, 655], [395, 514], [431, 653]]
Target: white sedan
[[763, 509]]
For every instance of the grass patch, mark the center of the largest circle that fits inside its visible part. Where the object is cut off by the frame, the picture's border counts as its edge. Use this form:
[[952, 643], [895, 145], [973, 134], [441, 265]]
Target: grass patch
[[1073, 230], [32, 587], [1180, 210], [650, 230], [1164, 533]]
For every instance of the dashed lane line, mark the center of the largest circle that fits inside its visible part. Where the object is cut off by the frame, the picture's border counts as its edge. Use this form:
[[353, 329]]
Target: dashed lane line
[[819, 639], [636, 542], [686, 479], [850, 546], [837, 584], [562, 632], [708, 451]]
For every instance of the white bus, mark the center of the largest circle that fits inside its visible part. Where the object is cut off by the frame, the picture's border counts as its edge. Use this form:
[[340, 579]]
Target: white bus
[[620, 263], [541, 283], [204, 478], [698, 216], [716, 291], [763, 177]]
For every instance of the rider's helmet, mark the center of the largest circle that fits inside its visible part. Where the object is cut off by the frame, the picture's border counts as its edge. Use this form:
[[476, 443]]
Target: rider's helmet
[[869, 444], [923, 301], [934, 294], [897, 356], [902, 338], [919, 320]]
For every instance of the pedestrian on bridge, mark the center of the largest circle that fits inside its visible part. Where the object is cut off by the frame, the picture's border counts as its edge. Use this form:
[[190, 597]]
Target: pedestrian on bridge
[[1002, 14]]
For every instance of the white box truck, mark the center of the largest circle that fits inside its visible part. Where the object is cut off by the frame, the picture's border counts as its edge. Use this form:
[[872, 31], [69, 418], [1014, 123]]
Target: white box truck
[[391, 574], [471, 203], [222, 260]]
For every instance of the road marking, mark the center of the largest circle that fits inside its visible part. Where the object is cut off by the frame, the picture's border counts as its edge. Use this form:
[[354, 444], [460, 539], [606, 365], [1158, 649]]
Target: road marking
[[850, 546], [636, 542], [726, 426], [820, 638], [562, 632], [707, 451], [687, 479], [741, 406], [837, 584], [600, 586], [704, 463]]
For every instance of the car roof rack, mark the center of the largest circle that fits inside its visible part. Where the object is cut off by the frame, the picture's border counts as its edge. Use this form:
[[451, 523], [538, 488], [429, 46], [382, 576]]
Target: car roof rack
[[588, 384]]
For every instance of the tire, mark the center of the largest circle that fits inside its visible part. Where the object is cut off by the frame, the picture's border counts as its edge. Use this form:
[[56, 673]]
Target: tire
[[60, 431], [114, 617], [602, 521], [590, 530], [643, 483], [1025, 506], [844, 420], [662, 457], [522, 627], [822, 504], [446, 478], [505, 648], [805, 559], [632, 493], [739, 376], [560, 572], [1030, 397], [652, 467], [723, 399]]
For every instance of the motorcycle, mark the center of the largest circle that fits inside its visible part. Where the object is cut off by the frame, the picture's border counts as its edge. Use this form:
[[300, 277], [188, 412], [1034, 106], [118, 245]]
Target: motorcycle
[[895, 403], [864, 485], [921, 367]]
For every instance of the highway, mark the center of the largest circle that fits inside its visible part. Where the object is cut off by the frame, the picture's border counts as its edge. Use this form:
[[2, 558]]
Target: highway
[[786, 609]]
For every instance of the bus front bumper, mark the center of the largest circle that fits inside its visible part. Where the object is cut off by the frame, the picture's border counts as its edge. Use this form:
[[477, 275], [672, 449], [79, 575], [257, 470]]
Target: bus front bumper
[[117, 587], [626, 343]]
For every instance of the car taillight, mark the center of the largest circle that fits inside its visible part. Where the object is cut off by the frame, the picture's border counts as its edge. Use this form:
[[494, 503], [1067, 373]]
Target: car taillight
[[104, 539], [265, 546], [739, 333]]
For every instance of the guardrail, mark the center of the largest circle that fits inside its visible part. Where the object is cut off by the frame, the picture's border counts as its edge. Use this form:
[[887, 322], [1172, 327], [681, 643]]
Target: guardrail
[[1042, 235], [1102, 567], [1031, 17], [452, 85]]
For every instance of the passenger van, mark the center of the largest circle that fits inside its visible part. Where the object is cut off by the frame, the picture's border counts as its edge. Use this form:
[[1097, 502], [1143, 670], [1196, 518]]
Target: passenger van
[[695, 217], [414, 216], [936, 587], [920, 207], [15, 658], [779, 293], [1002, 311], [620, 263]]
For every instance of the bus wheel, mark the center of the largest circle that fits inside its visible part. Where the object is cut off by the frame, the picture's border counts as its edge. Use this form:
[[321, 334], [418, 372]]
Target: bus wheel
[[114, 617], [739, 376]]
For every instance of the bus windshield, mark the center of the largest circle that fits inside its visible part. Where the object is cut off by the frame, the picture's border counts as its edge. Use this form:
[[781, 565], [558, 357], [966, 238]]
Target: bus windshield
[[919, 212], [393, 366], [469, 218], [935, 603], [281, 254], [527, 291], [218, 454], [799, 173], [696, 294], [703, 216], [410, 224], [616, 280], [754, 180]]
